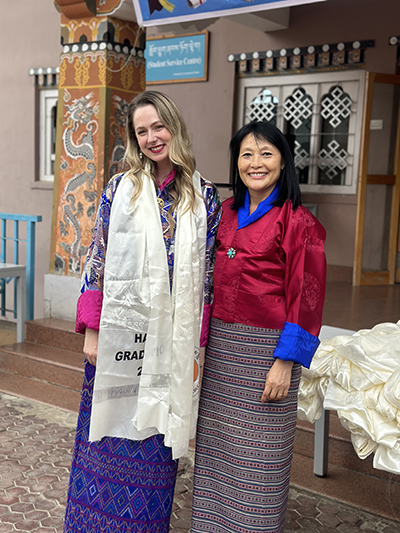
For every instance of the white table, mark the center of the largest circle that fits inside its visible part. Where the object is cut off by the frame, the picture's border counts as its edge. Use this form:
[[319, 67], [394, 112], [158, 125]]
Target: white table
[[8, 270], [321, 437]]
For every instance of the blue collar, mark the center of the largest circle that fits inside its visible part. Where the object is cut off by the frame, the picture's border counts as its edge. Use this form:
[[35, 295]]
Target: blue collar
[[263, 207]]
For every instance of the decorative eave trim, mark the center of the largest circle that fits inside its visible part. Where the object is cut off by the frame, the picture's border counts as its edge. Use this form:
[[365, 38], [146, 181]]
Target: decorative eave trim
[[307, 57], [103, 45], [45, 77], [394, 40]]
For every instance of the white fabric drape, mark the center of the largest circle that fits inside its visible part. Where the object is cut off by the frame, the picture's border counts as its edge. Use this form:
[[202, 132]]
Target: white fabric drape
[[359, 377], [149, 338]]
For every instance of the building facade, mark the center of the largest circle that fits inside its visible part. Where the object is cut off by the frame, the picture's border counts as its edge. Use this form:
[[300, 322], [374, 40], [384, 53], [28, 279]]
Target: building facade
[[310, 80], [306, 69]]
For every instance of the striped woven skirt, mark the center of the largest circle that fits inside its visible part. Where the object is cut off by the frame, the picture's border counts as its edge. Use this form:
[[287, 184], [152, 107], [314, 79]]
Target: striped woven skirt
[[243, 447], [118, 485]]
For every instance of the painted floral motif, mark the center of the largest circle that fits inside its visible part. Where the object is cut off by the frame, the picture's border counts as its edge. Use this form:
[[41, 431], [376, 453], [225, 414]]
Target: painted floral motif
[[118, 124]]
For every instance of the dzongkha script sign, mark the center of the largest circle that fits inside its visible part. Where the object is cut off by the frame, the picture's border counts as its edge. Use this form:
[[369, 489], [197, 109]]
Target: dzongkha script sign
[[177, 59], [156, 12]]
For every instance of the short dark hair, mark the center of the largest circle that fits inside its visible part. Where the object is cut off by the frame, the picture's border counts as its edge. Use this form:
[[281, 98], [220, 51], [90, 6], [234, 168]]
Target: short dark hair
[[288, 182]]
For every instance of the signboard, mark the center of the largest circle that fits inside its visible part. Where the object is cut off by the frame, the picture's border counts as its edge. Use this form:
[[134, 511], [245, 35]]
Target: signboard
[[177, 59], [157, 12]]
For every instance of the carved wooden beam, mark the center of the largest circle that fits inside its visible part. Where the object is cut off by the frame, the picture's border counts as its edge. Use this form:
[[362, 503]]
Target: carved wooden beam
[[76, 9]]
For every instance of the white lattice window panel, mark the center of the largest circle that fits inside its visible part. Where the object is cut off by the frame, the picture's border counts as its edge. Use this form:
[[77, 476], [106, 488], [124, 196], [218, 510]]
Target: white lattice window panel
[[298, 108], [263, 107], [321, 115], [301, 156], [333, 158], [336, 107]]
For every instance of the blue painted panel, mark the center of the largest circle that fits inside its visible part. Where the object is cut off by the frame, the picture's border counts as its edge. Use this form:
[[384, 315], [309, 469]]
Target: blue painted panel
[[176, 59], [30, 220]]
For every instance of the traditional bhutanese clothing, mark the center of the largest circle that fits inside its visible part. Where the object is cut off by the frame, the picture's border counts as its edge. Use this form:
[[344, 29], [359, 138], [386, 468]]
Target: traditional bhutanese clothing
[[119, 484], [269, 287]]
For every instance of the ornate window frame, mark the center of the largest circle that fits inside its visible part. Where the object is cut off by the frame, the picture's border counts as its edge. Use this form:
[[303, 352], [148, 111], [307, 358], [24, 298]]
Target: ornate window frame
[[278, 88], [48, 98]]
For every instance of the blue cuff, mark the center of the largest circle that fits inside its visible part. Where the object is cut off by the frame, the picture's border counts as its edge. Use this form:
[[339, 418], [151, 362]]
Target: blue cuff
[[296, 344]]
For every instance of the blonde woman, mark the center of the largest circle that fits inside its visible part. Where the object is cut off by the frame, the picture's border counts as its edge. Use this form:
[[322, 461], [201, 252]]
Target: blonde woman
[[144, 309]]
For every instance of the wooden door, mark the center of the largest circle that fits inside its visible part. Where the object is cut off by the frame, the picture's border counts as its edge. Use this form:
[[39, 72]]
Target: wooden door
[[388, 274]]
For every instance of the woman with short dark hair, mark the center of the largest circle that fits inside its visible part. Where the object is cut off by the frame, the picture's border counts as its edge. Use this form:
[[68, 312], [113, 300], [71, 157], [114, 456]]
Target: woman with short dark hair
[[269, 288], [288, 187]]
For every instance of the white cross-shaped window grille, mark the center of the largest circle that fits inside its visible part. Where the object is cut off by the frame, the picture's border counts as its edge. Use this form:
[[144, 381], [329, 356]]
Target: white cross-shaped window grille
[[336, 106], [262, 107], [301, 156], [298, 107], [333, 158]]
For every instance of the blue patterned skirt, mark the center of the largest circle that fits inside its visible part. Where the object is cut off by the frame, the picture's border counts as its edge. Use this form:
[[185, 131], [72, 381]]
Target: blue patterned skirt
[[243, 447], [118, 485]]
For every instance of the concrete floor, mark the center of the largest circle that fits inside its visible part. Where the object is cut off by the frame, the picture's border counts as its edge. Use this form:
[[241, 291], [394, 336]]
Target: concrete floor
[[360, 307]]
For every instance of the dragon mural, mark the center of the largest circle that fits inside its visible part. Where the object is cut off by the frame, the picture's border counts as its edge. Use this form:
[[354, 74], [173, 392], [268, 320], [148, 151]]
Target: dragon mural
[[97, 68], [80, 129], [79, 193], [118, 130]]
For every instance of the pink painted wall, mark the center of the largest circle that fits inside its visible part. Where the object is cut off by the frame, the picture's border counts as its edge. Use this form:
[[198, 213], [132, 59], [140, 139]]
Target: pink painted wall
[[29, 38]]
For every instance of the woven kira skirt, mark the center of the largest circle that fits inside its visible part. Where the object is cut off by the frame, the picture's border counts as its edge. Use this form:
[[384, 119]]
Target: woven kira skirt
[[243, 447], [118, 485]]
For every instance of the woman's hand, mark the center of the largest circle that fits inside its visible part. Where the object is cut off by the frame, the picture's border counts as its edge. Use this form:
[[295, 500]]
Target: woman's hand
[[90, 345], [278, 381]]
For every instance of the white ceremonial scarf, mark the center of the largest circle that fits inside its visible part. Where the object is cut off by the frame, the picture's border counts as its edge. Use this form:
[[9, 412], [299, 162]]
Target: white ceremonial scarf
[[148, 351]]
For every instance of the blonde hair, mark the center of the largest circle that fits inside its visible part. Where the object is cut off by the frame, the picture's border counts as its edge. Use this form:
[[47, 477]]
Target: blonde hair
[[180, 150]]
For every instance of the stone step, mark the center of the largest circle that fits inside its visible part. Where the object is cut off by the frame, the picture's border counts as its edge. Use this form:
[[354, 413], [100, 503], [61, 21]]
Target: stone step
[[40, 391], [48, 367], [44, 363], [54, 332]]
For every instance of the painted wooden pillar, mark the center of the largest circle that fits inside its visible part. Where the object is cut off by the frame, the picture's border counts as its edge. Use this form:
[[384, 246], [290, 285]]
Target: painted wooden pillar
[[101, 70]]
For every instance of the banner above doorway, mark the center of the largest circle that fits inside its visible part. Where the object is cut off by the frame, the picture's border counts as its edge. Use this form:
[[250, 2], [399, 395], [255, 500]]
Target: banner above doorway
[[158, 12]]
